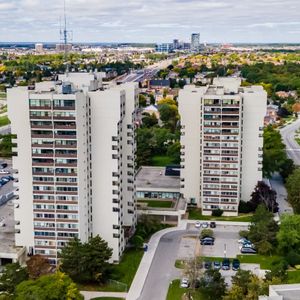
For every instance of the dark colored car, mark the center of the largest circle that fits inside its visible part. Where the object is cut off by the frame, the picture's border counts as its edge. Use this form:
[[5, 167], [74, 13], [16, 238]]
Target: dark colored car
[[206, 242], [3, 165], [212, 225], [207, 238], [217, 265], [235, 264], [207, 265], [248, 250], [226, 264]]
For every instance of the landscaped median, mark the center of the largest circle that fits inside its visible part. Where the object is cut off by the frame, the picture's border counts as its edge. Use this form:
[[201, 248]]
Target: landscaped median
[[196, 214]]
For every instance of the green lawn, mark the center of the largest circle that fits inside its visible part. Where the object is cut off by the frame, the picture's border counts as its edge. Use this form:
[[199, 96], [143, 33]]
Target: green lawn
[[155, 203], [175, 292], [297, 140], [2, 95], [4, 121], [294, 276], [124, 273], [264, 261], [161, 161], [196, 214]]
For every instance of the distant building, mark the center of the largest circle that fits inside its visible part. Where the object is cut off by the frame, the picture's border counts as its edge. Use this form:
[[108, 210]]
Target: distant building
[[75, 161], [222, 143], [63, 47], [39, 48], [175, 44], [164, 48], [283, 292], [195, 42], [271, 116]]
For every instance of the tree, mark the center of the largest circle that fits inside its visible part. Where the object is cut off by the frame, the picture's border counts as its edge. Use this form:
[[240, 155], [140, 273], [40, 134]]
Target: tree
[[287, 169], [57, 286], [274, 155], [263, 194], [149, 120], [193, 270], [278, 270], [37, 266], [263, 230], [173, 152], [293, 189], [288, 236], [142, 100], [12, 275], [86, 262], [212, 285]]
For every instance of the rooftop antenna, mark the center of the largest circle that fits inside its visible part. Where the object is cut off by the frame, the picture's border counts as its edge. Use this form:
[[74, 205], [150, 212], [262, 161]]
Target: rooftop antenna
[[65, 36]]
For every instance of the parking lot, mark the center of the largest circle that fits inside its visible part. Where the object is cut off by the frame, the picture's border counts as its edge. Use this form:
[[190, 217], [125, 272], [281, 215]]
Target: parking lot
[[226, 241]]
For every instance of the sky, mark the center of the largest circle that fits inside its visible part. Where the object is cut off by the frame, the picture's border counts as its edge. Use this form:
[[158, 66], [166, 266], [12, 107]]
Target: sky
[[222, 21]]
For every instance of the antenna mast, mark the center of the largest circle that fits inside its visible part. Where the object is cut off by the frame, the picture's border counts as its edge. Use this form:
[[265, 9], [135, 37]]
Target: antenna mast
[[65, 36]]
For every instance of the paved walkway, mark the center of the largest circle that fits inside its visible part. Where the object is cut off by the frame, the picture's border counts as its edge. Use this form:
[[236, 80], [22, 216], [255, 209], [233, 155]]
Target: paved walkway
[[90, 295]]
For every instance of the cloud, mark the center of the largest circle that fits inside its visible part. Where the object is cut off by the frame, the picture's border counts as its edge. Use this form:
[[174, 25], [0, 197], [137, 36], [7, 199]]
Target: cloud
[[152, 21]]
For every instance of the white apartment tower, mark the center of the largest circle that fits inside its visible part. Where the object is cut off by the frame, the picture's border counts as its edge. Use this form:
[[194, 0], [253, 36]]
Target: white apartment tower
[[75, 161], [221, 141]]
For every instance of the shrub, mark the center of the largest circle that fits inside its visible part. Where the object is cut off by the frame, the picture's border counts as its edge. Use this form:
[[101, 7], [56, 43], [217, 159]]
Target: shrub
[[217, 212], [244, 233], [293, 258], [246, 207], [206, 232]]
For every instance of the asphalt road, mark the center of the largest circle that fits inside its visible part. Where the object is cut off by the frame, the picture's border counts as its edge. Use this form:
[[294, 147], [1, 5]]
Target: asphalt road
[[288, 136], [277, 185], [162, 270]]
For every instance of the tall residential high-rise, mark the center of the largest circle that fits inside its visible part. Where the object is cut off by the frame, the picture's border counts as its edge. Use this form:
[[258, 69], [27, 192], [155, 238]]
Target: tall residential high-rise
[[39, 48], [221, 143], [75, 161], [195, 42]]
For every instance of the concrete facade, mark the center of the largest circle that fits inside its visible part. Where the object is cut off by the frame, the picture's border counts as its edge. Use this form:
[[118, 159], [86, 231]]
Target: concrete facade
[[221, 143], [74, 153]]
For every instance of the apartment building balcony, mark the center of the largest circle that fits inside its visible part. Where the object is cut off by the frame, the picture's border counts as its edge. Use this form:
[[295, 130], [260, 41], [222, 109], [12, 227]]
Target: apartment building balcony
[[65, 127], [43, 182], [73, 146], [41, 127], [75, 184], [64, 202], [67, 229], [65, 174], [44, 228], [43, 173], [43, 107], [40, 117], [66, 220], [64, 136], [66, 193], [64, 118], [60, 155], [44, 247], [64, 107], [44, 164], [230, 112], [40, 136], [43, 192], [73, 165], [41, 155], [48, 145]]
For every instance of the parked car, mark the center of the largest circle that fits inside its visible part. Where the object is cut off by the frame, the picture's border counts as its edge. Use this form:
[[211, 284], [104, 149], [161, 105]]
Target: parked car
[[247, 246], [2, 224], [243, 241], [5, 179], [197, 224], [235, 264], [3, 182], [4, 172], [212, 225], [248, 250], [217, 265], [207, 264], [207, 238], [207, 242], [184, 283], [205, 225], [3, 165], [226, 264]]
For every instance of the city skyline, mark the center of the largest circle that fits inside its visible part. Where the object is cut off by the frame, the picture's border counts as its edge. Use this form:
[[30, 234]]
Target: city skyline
[[150, 22]]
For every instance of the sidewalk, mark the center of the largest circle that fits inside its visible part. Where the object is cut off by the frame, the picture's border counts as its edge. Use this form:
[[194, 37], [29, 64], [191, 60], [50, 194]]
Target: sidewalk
[[142, 272], [90, 295]]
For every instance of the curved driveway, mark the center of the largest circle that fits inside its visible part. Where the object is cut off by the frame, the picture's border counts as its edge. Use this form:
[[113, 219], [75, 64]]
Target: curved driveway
[[288, 137], [162, 270]]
